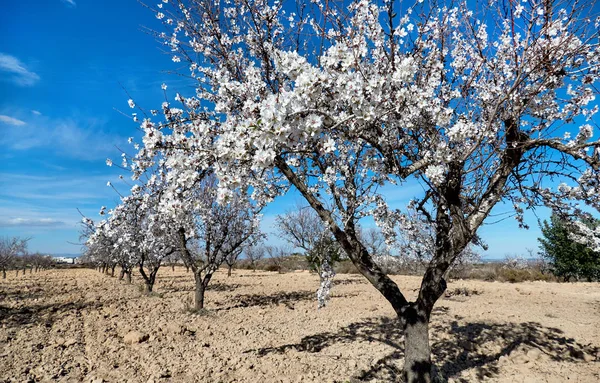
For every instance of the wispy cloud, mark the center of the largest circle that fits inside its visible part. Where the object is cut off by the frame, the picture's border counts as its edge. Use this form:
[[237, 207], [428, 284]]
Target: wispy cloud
[[17, 71], [75, 137], [38, 222], [70, 3], [11, 120], [36, 112]]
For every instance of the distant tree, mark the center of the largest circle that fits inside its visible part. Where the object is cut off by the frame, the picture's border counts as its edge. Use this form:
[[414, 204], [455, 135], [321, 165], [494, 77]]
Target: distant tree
[[302, 228], [231, 260], [254, 254], [213, 232], [10, 249], [276, 256], [326, 251], [568, 259]]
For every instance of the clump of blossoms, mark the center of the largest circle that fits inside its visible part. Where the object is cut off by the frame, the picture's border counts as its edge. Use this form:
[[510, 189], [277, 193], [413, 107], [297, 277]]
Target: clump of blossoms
[[324, 291]]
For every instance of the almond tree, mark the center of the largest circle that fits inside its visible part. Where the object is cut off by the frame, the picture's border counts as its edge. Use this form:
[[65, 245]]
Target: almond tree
[[212, 232], [10, 249], [232, 259], [303, 229], [481, 107], [254, 253]]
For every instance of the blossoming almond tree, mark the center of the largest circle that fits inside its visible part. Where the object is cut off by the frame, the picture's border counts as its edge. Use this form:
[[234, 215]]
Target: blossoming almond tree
[[336, 99], [213, 232]]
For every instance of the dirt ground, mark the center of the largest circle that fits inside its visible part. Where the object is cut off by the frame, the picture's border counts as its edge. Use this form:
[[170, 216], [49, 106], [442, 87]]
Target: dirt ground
[[80, 325]]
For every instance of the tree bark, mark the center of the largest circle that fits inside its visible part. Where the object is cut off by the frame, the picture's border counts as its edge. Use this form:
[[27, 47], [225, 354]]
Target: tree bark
[[417, 352], [229, 270], [173, 267], [199, 295], [121, 274], [149, 279], [3, 273], [128, 276], [112, 271]]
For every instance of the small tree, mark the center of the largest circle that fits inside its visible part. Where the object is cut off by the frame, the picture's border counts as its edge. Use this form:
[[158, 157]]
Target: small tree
[[212, 232], [254, 253], [276, 255], [302, 228], [10, 249], [231, 260], [568, 259]]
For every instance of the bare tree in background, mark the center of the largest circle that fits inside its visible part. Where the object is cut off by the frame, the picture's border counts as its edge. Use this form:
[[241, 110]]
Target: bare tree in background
[[254, 253], [231, 260], [10, 249], [302, 228]]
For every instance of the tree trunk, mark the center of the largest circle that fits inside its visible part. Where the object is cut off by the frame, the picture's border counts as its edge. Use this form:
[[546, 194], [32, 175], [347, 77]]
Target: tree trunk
[[17, 272], [199, 295], [173, 267], [229, 270], [187, 268], [3, 273], [112, 271], [121, 274], [417, 352], [148, 286], [128, 276]]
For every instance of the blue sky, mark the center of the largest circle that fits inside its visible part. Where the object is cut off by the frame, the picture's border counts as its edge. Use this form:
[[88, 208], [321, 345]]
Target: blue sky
[[64, 69]]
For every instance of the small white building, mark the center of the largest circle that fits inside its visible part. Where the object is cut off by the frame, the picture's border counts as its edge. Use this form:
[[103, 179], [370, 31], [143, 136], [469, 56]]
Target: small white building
[[64, 260]]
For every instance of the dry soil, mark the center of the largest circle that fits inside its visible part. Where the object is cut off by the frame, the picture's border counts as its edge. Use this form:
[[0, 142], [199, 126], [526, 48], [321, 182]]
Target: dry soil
[[80, 325]]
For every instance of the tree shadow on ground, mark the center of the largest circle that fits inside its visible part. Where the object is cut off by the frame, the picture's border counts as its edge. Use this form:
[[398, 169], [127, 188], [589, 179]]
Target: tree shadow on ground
[[219, 287], [456, 347], [349, 281], [481, 345], [22, 294], [282, 298], [41, 314]]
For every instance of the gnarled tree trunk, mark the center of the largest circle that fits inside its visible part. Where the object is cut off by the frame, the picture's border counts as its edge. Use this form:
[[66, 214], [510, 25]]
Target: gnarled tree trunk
[[201, 284]]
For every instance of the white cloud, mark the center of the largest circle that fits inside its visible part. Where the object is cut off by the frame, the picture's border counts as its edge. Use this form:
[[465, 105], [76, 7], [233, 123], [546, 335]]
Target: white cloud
[[20, 75], [11, 120], [36, 112], [70, 3], [45, 222], [77, 137]]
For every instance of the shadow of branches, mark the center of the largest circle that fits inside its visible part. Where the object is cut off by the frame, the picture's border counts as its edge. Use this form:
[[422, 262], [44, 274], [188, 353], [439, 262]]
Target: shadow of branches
[[284, 298], [186, 287], [455, 348], [483, 345], [45, 313]]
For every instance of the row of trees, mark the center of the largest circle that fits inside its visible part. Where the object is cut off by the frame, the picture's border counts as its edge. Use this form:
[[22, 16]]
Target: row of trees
[[14, 256], [482, 107], [147, 230]]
